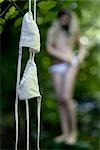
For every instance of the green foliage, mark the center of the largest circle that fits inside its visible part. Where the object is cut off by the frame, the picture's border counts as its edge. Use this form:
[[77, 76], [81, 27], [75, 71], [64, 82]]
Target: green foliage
[[2, 21], [40, 20], [47, 5], [50, 16], [18, 22], [87, 86], [1, 28], [65, 5], [10, 13], [1, 1], [14, 14], [25, 6]]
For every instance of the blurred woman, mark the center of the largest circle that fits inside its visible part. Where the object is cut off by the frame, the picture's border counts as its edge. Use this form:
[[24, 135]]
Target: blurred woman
[[62, 39]]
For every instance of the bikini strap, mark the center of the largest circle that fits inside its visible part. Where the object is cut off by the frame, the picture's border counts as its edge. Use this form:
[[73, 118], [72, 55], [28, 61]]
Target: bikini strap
[[16, 100], [30, 5], [35, 10], [38, 116], [38, 98]]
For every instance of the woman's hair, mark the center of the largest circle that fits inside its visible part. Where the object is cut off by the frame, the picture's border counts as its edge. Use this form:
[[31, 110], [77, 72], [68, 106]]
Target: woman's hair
[[69, 14], [64, 12], [73, 28]]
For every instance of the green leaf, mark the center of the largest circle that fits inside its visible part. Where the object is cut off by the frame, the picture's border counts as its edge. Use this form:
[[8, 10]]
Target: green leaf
[[7, 15], [50, 16], [47, 5], [14, 14], [67, 4], [1, 1], [39, 21], [1, 29], [18, 22], [25, 6], [10, 12], [2, 21]]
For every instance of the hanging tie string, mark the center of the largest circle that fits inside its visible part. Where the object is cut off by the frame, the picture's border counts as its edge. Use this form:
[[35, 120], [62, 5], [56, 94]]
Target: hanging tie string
[[30, 5], [16, 101], [26, 101], [35, 10], [27, 118], [38, 116], [38, 103], [38, 99]]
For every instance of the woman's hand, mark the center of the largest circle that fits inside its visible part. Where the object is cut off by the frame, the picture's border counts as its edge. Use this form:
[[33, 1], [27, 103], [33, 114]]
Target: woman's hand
[[82, 54], [82, 43]]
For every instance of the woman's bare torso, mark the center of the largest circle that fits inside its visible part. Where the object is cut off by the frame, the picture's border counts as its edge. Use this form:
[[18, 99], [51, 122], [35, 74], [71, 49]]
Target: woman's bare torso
[[64, 43]]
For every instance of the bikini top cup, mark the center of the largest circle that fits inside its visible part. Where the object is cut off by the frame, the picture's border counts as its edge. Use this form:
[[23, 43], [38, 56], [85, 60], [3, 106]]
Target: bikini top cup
[[28, 87], [30, 36]]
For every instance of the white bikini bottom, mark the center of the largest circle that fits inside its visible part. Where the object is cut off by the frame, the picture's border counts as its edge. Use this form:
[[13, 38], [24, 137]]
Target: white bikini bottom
[[59, 68]]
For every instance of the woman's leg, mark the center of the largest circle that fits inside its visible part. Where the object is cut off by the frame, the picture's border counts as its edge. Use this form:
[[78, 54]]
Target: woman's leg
[[67, 97], [58, 83]]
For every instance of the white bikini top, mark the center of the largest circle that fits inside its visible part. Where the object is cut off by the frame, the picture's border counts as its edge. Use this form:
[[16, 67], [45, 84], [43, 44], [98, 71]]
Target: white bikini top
[[30, 36], [28, 86]]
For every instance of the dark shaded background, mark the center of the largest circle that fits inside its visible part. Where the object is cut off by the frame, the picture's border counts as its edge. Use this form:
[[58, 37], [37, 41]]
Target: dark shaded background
[[87, 93]]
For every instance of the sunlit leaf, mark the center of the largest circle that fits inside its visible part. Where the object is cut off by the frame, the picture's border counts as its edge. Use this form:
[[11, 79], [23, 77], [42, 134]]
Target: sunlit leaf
[[25, 6], [67, 4], [47, 5], [14, 15], [2, 21], [50, 16], [18, 22], [10, 12], [1, 1], [39, 20], [7, 15], [1, 28]]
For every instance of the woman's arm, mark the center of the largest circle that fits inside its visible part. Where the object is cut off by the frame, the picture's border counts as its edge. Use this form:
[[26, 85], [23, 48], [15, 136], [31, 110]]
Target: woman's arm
[[82, 51]]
